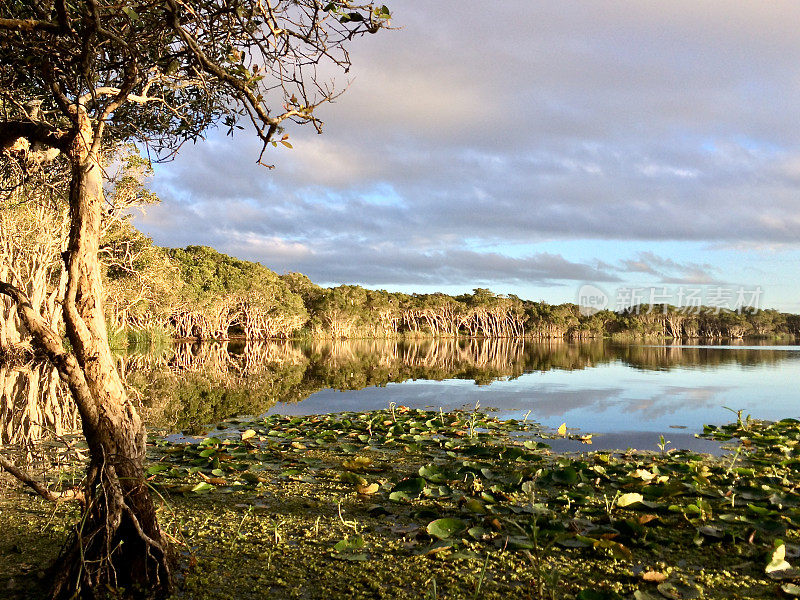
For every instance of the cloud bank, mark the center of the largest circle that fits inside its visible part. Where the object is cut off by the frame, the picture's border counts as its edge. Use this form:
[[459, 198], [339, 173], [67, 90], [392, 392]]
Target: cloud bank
[[473, 144]]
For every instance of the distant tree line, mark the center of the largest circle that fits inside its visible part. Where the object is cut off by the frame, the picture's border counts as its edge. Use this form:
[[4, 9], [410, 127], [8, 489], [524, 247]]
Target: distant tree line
[[214, 296], [199, 293]]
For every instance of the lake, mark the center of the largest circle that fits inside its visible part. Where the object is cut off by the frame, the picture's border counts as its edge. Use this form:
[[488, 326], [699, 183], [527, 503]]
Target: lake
[[626, 395]]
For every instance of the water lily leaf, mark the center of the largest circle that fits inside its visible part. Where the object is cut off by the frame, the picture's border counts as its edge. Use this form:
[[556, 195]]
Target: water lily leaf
[[790, 589], [250, 477], [769, 526], [157, 468], [463, 554], [778, 559], [410, 485], [711, 531], [367, 490], [352, 557], [565, 476], [678, 591], [358, 463], [518, 542], [477, 533], [628, 499], [350, 477], [476, 506], [654, 576], [246, 435], [348, 543], [446, 528], [433, 473], [572, 542], [202, 487], [399, 497]]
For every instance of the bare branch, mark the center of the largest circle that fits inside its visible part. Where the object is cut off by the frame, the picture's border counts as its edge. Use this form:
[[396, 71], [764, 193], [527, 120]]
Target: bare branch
[[45, 492], [28, 25]]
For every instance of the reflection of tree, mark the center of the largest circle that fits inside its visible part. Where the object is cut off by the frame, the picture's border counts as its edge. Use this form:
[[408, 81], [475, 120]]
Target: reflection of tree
[[670, 356], [203, 383], [34, 405]]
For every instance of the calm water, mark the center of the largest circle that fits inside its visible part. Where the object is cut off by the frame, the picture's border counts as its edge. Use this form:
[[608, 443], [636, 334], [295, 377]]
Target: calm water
[[625, 394], [627, 397]]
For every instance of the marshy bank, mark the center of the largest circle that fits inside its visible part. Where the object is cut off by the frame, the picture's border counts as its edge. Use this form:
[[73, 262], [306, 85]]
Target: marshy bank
[[406, 503]]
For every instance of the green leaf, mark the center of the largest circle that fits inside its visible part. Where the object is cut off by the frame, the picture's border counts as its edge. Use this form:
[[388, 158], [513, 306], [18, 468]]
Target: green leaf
[[566, 476], [446, 528], [399, 497], [411, 485], [157, 468], [132, 14], [350, 477], [628, 499], [202, 487], [778, 559], [432, 473], [475, 506]]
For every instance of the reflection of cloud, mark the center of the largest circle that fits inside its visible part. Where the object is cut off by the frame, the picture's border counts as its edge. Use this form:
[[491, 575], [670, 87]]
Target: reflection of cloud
[[672, 400]]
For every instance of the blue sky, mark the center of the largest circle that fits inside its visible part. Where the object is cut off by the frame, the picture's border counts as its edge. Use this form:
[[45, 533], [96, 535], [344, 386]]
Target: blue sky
[[530, 149]]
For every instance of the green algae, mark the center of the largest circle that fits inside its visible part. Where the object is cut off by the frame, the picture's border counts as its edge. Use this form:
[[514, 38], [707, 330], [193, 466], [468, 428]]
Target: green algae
[[415, 504]]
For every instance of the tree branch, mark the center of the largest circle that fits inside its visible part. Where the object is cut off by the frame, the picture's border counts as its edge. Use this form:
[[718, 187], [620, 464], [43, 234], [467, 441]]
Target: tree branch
[[40, 489], [28, 25], [10, 131]]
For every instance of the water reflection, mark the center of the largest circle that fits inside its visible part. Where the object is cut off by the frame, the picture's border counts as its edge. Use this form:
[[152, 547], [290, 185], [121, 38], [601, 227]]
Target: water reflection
[[595, 385], [34, 405], [598, 386]]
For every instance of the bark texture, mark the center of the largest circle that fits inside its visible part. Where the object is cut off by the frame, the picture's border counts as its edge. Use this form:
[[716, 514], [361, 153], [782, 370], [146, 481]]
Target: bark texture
[[119, 542]]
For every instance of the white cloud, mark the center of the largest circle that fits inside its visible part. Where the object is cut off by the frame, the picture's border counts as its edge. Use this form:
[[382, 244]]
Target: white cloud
[[537, 122]]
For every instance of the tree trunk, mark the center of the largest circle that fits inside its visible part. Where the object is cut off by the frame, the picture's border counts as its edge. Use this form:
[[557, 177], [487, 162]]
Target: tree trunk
[[119, 542]]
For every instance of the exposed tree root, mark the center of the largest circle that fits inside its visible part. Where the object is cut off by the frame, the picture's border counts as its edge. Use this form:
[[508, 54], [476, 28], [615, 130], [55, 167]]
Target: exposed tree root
[[117, 545]]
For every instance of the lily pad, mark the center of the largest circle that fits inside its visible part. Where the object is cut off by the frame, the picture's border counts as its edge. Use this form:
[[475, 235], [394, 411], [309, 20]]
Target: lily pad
[[446, 528]]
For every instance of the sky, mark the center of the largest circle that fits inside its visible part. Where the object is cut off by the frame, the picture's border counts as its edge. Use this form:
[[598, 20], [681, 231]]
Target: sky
[[635, 149]]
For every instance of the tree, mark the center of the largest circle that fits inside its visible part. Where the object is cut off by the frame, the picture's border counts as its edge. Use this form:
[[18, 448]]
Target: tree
[[77, 78]]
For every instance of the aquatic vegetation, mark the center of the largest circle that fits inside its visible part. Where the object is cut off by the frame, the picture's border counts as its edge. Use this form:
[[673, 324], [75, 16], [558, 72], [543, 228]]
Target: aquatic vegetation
[[409, 503]]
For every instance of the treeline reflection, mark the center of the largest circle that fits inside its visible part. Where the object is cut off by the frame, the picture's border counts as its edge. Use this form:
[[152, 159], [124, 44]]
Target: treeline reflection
[[189, 386], [34, 405]]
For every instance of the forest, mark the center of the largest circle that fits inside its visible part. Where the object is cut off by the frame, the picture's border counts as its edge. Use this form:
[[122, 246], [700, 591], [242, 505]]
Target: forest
[[201, 294]]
